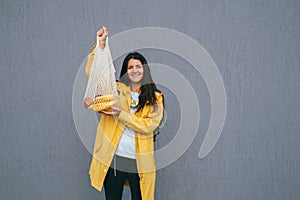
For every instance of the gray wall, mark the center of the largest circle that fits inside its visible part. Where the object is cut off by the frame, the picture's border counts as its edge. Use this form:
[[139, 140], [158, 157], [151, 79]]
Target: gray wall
[[254, 43]]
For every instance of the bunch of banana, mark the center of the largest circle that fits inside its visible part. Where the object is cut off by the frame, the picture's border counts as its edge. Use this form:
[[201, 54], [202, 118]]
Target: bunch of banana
[[104, 102]]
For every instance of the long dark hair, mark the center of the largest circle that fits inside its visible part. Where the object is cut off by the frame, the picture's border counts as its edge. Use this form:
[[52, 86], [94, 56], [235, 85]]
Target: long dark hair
[[148, 87]]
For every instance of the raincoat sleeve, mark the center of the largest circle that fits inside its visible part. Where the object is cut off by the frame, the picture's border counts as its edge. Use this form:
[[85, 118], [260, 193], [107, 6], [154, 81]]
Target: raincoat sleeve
[[90, 61], [145, 125]]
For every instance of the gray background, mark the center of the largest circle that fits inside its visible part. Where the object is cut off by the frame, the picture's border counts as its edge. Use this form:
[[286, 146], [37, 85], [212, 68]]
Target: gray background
[[254, 43]]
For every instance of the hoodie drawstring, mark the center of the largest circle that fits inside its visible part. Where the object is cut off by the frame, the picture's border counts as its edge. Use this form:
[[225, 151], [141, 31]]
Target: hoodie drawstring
[[115, 166]]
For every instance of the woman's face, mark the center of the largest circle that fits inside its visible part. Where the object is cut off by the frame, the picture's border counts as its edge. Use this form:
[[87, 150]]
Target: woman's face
[[135, 70]]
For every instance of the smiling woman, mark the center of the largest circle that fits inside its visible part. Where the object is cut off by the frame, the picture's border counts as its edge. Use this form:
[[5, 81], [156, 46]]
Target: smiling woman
[[124, 149], [135, 72]]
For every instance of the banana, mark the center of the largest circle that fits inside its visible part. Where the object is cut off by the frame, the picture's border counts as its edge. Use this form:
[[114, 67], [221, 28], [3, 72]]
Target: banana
[[105, 98], [105, 102]]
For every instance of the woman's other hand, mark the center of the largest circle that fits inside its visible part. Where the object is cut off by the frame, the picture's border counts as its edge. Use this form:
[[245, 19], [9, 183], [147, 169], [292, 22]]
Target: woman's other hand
[[115, 111], [87, 102], [102, 34]]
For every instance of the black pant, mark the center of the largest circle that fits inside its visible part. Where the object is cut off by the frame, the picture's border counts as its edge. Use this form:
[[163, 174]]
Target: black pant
[[122, 169]]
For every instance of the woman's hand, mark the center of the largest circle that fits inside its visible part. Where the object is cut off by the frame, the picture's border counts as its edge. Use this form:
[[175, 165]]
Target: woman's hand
[[115, 111], [87, 102], [102, 34]]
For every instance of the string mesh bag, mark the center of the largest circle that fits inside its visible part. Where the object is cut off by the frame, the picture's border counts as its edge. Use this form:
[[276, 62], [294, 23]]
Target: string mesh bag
[[101, 85]]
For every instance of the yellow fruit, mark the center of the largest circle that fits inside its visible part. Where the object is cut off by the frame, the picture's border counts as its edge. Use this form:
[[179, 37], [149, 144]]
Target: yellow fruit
[[105, 102]]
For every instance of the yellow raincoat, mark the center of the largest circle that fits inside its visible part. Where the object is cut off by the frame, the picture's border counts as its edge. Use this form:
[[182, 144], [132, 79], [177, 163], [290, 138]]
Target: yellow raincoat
[[110, 130]]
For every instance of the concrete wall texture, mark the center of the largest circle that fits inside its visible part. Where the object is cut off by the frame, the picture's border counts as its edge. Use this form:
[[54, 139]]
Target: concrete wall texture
[[255, 44]]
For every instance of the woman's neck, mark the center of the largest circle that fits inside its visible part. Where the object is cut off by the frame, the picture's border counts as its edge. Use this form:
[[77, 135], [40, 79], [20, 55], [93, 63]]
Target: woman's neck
[[135, 87]]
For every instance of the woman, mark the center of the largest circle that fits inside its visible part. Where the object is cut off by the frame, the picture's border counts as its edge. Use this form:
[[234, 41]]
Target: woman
[[124, 150]]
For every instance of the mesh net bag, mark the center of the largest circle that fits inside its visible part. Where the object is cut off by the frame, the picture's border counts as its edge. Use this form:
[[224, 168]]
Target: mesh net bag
[[102, 82]]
